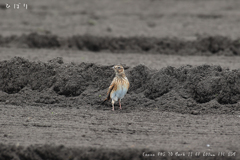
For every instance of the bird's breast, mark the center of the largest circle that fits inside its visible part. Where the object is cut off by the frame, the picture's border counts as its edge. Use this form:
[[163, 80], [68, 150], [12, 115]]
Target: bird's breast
[[121, 89]]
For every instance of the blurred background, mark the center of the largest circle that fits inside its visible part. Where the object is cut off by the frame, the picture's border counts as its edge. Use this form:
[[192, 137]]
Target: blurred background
[[158, 18], [185, 20]]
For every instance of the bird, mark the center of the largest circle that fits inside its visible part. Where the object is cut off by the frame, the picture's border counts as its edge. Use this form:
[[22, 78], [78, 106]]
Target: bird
[[119, 86]]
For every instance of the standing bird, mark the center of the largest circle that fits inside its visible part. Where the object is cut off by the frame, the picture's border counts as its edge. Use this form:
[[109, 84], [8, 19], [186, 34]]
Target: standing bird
[[118, 87]]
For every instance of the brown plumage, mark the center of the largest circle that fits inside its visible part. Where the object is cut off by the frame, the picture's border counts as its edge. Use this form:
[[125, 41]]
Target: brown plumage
[[119, 86]]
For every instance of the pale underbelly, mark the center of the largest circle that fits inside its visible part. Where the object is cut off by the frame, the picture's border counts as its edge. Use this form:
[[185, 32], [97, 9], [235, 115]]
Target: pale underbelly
[[119, 94]]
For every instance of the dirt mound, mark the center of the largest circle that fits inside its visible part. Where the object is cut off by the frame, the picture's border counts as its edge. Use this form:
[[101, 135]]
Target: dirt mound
[[62, 153], [201, 89], [201, 46]]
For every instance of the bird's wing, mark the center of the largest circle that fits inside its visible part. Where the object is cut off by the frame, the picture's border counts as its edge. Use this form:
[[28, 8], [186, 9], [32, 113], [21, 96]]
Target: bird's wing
[[111, 87], [110, 90], [128, 85]]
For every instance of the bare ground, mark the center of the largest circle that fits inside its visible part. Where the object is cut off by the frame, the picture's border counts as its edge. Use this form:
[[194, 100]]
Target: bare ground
[[176, 120], [153, 61], [38, 122], [165, 18], [121, 131]]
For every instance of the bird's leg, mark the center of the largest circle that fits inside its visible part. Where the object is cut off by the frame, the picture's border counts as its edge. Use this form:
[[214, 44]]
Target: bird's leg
[[112, 104], [119, 104]]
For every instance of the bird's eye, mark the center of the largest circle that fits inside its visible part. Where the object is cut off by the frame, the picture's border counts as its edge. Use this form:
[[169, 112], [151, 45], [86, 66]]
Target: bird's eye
[[119, 67]]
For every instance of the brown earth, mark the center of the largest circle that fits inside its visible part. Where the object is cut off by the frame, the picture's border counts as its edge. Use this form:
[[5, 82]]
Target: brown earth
[[35, 132], [203, 89], [177, 102], [151, 60], [58, 103]]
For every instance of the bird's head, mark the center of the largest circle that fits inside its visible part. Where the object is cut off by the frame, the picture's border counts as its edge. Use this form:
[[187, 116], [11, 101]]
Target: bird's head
[[119, 70]]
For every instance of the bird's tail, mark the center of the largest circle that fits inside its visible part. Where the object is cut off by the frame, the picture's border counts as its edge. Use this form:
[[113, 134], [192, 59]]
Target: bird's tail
[[104, 100]]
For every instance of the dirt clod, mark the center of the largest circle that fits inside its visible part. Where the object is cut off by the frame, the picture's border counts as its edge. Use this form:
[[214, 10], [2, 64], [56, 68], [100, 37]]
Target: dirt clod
[[170, 89]]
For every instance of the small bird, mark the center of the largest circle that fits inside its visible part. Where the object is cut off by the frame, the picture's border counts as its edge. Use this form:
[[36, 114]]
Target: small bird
[[118, 87]]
